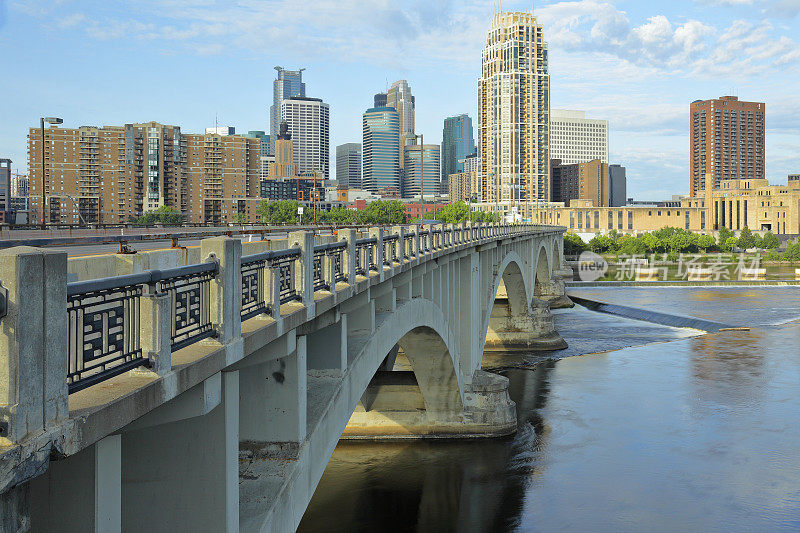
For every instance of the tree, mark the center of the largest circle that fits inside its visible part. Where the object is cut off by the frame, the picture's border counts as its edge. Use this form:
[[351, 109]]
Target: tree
[[792, 252], [769, 241], [239, 218], [747, 239], [729, 244], [601, 243], [163, 215], [573, 244], [385, 212], [704, 242], [458, 212], [724, 235], [279, 212]]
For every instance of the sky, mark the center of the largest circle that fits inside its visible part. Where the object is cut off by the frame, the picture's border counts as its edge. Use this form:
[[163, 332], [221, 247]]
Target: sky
[[636, 63]]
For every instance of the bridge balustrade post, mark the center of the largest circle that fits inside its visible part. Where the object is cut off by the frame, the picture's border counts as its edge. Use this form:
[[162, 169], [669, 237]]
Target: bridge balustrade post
[[304, 266], [400, 243], [416, 241], [272, 290], [377, 233], [225, 303], [33, 341], [349, 257], [156, 329]]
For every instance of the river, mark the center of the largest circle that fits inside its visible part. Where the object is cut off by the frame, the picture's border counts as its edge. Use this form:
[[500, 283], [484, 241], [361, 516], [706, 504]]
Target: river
[[634, 427]]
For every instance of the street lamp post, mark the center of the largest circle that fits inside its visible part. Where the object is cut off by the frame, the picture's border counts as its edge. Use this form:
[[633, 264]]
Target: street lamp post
[[49, 120]]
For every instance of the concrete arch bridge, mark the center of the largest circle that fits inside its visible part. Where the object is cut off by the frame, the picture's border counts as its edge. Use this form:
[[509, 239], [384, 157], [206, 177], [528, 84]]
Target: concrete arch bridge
[[209, 394]]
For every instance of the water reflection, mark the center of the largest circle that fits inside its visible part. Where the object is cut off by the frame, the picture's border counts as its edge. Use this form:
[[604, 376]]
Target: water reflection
[[697, 433]]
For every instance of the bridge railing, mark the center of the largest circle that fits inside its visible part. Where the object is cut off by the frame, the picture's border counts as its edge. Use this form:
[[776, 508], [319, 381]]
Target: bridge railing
[[97, 330]]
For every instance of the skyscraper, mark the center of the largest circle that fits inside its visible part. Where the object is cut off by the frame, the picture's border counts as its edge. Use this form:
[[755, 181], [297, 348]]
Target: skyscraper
[[380, 100], [421, 166], [309, 122], [513, 110], [400, 98], [617, 186], [726, 139], [348, 165], [288, 84], [381, 169], [457, 143], [577, 139]]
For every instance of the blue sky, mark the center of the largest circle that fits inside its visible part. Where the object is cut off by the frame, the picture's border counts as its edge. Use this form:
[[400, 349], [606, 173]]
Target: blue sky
[[636, 63]]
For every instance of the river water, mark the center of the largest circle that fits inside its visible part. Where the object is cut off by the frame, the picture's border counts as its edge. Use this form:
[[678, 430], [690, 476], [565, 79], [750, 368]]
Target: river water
[[637, 427]]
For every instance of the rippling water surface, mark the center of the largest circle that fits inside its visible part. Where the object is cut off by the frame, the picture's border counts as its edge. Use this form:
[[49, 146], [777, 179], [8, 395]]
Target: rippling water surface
[[671, 431]]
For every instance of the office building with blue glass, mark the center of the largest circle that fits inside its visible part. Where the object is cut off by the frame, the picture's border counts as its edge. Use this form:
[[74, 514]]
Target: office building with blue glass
[[458, 142], [381, 151]]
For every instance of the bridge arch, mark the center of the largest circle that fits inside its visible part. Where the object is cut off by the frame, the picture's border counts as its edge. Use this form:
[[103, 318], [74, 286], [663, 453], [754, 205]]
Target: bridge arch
[[422, 331], [517, 278], [543, 267]]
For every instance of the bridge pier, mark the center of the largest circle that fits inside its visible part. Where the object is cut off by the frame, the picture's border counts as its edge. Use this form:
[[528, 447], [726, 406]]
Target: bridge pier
[[531, 329], [554, 292]]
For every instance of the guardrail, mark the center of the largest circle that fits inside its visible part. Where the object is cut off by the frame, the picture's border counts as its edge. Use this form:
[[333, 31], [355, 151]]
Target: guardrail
[[116, 324], [175, 236]]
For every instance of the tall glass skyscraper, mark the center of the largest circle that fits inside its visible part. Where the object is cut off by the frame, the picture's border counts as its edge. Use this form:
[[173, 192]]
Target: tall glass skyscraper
[[381, 149], [421, 166], [348, 165], [457, 143], [288, 85], [400, 98]]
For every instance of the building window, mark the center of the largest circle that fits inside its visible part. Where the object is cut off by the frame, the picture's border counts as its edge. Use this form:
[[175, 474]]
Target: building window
[[702, 220], [630, 220]]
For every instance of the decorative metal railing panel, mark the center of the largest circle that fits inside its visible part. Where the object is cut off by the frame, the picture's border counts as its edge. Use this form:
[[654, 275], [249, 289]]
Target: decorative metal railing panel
[[408, 246], [366, 250], [390, 244], [320, 284], [190, 297], [253, 283], [286, 279], [103, 338]]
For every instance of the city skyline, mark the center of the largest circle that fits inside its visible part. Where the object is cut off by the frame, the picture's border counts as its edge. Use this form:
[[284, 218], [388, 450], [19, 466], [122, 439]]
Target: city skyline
[[656, 54]]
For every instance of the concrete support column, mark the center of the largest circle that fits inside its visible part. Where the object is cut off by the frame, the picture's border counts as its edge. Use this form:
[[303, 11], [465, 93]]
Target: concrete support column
[[15, 512], [304, 267], [33, 342], [156, 330], [349, 265], [273, 390], [226, 289], [326, 349], [181, 465], [82, 492]]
